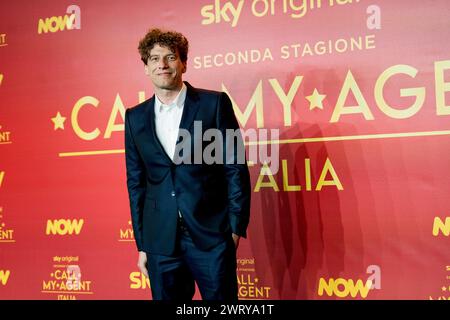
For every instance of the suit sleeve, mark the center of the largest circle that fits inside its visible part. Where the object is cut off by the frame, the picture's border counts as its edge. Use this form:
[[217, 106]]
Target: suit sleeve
[[136, 182], [235, 167]]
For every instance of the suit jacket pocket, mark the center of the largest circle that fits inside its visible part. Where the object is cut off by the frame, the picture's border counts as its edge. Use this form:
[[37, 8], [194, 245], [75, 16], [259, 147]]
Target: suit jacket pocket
[[149, 206]]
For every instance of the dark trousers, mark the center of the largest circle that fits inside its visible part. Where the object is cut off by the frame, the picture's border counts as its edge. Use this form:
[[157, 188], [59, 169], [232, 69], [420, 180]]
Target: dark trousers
[[214, 271]]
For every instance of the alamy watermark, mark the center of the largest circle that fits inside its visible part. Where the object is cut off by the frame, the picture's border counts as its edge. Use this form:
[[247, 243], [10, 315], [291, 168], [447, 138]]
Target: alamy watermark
[[216, 146]]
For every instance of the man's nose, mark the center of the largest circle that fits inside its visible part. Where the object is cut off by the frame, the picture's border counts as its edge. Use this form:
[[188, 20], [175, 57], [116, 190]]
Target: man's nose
[[163, 63]]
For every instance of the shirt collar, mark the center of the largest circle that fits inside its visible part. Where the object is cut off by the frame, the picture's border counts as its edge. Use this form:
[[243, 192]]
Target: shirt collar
[[178, 101]]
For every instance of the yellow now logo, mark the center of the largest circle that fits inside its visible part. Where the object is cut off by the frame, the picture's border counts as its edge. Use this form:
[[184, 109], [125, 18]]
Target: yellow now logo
[[440, 226], [4, 276], [64, 226], [70, 21], [139, 281], [342, 287]]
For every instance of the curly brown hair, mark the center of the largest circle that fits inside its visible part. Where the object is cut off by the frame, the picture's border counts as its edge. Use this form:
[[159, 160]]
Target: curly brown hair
[[170, 39]]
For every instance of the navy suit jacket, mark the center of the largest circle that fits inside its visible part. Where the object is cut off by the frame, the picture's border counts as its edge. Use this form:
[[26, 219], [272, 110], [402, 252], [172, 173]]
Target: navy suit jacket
[[214, 199]]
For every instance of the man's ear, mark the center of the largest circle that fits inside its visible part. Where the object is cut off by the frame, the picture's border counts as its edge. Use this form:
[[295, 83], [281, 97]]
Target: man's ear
[[184, 66], [147, 72]]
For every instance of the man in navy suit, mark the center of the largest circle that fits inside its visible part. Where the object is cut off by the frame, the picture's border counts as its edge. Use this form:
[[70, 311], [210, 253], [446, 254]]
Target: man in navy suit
[[187, 215]]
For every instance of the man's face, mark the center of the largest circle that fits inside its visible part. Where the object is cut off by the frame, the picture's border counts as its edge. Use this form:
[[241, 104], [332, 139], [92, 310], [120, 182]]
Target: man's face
[[165, 68]]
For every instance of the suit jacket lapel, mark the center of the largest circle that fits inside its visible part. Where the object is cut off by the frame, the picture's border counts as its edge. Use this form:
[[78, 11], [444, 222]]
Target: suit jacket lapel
[[151, 128], [191, 106], [190, 109]]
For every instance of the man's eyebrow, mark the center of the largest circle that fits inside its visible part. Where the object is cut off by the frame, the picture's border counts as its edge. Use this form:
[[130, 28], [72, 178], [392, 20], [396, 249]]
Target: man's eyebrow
[[169, 54]]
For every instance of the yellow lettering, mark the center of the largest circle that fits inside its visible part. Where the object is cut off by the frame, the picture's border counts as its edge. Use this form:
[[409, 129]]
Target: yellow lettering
[[342, 287], [362, 107], [4, 276], [360, 287], [42, 26], [63, 226], [327, 286], [141, 96], [139, 281], [441, 87], [286, 186], [126, 234], [112, 126], [308, 174], [48, 285], [55, 23], [76, 127], [286, 100], [4, 136], [69, 20], [255, 101], [265, 171], [419, 93], [328, 167], [2, 176], [439, 225], [60, 275]]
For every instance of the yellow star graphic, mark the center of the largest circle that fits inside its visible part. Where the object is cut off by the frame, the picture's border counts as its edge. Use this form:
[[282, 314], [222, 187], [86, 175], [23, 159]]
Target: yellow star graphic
[[444, 288], [1, 78], [58, 120], [316, 100]]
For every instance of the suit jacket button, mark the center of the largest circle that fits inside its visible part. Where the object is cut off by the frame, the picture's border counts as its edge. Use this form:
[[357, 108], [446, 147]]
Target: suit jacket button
[[173, 194]]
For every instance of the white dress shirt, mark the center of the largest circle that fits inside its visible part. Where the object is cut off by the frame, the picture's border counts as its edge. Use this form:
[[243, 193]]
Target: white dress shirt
[[167, 120]]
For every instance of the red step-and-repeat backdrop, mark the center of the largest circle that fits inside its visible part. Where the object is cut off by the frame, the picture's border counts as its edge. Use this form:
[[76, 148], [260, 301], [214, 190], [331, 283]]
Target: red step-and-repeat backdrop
[[358, 207]]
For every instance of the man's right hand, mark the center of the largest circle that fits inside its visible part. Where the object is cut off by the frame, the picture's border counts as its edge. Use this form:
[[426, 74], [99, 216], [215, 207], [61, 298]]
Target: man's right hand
[[142, 263]]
